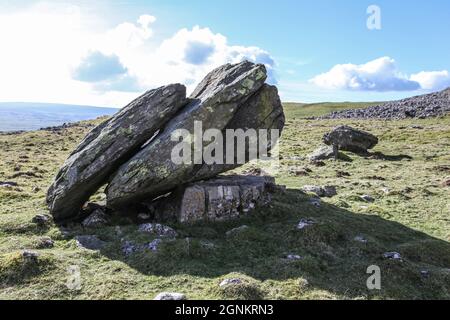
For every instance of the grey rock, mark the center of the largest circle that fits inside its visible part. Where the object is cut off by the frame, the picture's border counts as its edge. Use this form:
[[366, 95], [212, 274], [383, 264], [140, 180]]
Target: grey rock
[[235, 231], [96, 219], [90, 242], [158, 229], [230, 281], [217, 99], [222, 198], [360, 239], [350, 139], [45, 243], [435, 104], [367, 198], [324, 153], [170, 296], [109, 145], [305, 223], [30, 256], [41, 219], [154, 245], [293, 257], [321, 191], [8, 184], [129, 247], [392, 256]]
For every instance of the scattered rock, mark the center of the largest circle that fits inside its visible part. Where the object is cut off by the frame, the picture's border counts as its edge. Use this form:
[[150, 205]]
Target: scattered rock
[[45, 243], [360, 239], [392, 256], [104, 148], [321, 191], [129, 247], [293, 257], [230, 281], [158, 229], [170, 296], [97, 219], [41, 219], [429, 105], [236, 231], [8, 184], [318, 163], [30, 255], [367, 198], [90, 242], [324, 153], [425, 273], [349, 139], [154, 245], [315, 202], [304, 223]]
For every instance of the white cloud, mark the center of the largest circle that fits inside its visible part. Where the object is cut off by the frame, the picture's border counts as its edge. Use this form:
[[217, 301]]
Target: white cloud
[[44, 45], [432, 80], [377, 75]]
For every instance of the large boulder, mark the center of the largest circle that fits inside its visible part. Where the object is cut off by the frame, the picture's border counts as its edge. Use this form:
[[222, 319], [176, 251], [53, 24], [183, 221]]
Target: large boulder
[[349, 139], [109, 145], [215, 102], [218, 199]]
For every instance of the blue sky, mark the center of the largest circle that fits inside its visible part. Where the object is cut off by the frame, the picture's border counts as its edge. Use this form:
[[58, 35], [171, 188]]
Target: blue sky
[[315, 50]]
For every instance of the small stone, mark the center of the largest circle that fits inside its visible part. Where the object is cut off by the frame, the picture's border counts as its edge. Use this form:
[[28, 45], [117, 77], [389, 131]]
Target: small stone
[[236, 231], [90, 242], [45, 243], [8, 184], [153, 246], [367, 198], [304, 223], [392, 256], [360, 239], [170, 296], [324, 191], [316, 202], [425, 273], [293, 257], [230, 281], [129, 248], [30, 255], [97, 219], [41, 219], [158, 229]]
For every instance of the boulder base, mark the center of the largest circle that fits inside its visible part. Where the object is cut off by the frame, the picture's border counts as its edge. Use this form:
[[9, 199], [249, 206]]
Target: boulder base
[[218, 199]]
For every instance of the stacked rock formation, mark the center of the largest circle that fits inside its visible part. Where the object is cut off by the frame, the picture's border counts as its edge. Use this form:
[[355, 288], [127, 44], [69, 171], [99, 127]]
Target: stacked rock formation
[[131, 152]]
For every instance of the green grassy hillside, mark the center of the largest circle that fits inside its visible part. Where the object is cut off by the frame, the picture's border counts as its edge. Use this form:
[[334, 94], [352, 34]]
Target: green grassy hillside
[[305, 110], [410, 215]]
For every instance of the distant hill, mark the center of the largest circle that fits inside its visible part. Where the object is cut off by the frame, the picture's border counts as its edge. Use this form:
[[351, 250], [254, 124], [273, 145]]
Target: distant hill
[[26, 116]]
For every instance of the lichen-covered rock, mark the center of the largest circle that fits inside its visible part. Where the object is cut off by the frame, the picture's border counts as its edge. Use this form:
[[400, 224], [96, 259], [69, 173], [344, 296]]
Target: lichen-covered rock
[[218, 199], [90, 242], [151, 172], [349, 139], [96, 219], [170, 296], [109, 145]]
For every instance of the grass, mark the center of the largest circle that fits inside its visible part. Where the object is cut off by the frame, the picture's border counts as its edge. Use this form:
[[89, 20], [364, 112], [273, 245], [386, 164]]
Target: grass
[[410, 215]]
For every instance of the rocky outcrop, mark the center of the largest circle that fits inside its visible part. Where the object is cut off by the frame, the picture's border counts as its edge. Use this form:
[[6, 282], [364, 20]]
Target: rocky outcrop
[[133, 151], [216, 101], [349, 139], [429, 105], [218, 199], [109, 145]]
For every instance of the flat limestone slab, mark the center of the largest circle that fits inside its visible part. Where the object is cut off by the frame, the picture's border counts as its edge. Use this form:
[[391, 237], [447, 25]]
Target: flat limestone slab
[[109, 145], [218, 199]]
